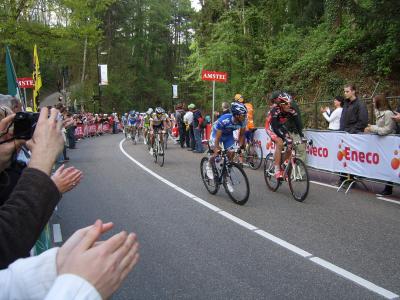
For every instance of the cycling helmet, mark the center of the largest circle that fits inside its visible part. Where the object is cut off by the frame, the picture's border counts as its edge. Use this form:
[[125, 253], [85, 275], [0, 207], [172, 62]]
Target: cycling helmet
[[283, 98], [238, 109], [239, 98], [149, 111], [160, 110]]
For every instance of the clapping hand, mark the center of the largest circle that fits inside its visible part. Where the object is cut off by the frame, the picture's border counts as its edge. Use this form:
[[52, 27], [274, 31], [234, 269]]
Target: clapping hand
[[105, 265]]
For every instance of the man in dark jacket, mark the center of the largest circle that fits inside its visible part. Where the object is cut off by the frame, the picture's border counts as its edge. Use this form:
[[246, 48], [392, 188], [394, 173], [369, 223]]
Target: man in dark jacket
[[179, 113], [198, 130], [354, 117]]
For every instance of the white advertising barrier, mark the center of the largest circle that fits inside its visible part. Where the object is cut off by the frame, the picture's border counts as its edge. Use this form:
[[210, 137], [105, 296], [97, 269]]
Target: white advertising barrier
[[366, 155]]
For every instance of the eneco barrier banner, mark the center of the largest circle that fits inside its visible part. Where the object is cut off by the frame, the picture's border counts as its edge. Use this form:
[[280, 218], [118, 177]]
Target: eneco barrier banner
[[366, 155]]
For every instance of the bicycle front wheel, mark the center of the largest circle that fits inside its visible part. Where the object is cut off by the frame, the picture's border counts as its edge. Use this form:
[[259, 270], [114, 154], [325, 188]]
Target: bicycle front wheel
[[299, 182], [161, 153], [269, 173], [209, 176], [236, 183], [254, 156]]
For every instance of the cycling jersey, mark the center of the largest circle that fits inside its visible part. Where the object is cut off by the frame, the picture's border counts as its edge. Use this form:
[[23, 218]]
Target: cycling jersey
[[146, 120], [124, 120], [227, 125], [157, 121], [276, 118]]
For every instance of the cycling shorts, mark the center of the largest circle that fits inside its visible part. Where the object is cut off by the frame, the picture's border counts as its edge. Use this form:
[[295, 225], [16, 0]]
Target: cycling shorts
[[274, 136], [227, 141], [249, 134]]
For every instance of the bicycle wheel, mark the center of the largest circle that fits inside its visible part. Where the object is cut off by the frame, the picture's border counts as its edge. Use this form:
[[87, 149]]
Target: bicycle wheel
[[211, 184], [161, 153], [254, 156], [236, 183], [299, 182], [269, 173], [155, 149], [133, 136], [166, 140], [148, 141]]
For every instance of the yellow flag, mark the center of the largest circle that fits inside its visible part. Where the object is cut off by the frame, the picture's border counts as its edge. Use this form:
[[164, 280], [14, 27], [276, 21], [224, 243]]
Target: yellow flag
[[37, 78]]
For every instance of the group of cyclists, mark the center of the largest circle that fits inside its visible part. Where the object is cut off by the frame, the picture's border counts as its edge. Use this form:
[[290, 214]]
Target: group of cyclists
[[239, 118], [147, 123]]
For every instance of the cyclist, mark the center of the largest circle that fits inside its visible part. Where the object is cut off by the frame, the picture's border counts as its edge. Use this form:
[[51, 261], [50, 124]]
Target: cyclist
[[223, 129], [146, 123], [158, 122], [137, 126], [280, 112], [124, 120]]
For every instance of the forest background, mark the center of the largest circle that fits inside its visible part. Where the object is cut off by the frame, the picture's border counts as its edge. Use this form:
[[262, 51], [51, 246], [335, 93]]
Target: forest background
[[308, 47]]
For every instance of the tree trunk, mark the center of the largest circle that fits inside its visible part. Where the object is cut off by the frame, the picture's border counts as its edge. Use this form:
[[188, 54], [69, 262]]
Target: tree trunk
[[84, 60]]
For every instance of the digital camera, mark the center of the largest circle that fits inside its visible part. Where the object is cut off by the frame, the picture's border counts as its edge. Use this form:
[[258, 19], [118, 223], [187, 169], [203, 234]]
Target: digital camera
[[25, 124]]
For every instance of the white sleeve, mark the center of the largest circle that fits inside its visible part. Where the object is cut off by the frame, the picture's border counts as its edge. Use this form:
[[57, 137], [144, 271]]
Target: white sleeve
[[72, 287], [334, 115], [29, 278]]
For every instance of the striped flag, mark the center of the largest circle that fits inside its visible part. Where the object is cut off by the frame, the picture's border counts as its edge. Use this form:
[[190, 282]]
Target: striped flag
[[37, 78]]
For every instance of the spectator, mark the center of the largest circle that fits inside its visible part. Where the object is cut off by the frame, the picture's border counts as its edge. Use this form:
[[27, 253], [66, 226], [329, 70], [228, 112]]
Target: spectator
[[354, 119], [80, 269], [70, 126], [31, 203], [179, 115], [396, 118], [198, 129], [384, 125], [11, 102], [333, 118], [188, 119], [115, 123], [225, 108]]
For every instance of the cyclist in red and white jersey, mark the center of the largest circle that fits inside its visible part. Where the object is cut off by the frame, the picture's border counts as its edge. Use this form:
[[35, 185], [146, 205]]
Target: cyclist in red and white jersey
[[280, 112]]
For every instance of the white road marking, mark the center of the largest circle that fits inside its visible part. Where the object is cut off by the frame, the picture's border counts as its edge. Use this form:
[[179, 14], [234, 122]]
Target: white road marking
[[360, 281], [237, 220], [57, 236], [325, 264], [284, 244], [389, 200], [324, 184]]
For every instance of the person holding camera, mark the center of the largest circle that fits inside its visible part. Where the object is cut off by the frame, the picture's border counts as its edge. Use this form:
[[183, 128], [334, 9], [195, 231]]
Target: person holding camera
[[32, 201]]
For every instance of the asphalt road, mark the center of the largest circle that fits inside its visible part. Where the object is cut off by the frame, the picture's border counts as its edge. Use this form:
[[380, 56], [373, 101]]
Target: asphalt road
[[332, 246]]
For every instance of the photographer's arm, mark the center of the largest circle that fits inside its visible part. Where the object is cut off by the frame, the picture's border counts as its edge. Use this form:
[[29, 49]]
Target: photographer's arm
[[30, 205]]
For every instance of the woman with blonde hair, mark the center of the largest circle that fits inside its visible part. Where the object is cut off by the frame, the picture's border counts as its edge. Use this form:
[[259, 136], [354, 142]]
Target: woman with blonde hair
[[384, 125]]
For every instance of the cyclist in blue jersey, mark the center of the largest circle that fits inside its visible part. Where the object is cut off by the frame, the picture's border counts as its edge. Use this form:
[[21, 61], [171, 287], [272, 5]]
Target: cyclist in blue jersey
[[224, 127], [223, 130]]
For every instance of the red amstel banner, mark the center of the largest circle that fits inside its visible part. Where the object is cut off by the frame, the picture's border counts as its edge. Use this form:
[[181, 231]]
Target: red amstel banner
[[25, 83], [214, 76]]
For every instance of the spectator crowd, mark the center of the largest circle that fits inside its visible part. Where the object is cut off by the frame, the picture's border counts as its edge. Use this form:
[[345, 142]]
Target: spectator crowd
[[83, 267]]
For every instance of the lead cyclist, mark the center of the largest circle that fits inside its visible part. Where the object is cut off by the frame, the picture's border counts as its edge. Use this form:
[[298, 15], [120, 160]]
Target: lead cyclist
[[222, 132]]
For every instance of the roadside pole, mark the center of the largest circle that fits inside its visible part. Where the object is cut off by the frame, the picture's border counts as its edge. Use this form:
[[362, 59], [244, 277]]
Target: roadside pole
[[213, 103], [213, 76]]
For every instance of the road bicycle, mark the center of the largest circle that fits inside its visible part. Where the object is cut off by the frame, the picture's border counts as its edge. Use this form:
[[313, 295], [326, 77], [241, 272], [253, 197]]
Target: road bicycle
[[251, 155], [158, 149], [227, 173], [136, 133], [295, 173]]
